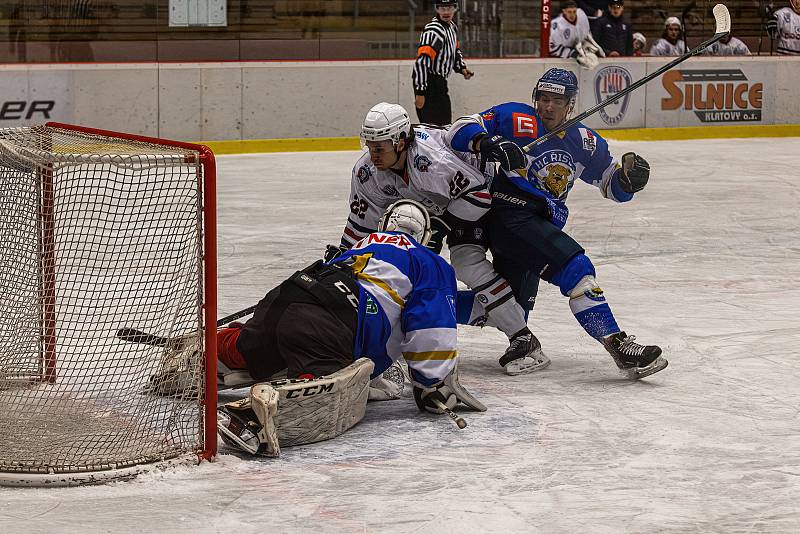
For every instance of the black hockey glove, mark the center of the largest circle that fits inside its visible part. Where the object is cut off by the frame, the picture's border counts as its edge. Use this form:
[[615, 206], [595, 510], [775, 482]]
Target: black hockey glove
[[499, 149], [439, 230], [332, 252], [635, 173], [772, 28], [424, 397]]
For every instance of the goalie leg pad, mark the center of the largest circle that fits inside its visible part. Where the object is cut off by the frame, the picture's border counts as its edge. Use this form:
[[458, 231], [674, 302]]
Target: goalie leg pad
[[296, 412]]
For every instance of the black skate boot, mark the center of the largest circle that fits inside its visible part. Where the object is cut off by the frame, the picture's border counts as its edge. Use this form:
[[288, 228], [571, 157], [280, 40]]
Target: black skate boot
[[637, 360], [524, 354]]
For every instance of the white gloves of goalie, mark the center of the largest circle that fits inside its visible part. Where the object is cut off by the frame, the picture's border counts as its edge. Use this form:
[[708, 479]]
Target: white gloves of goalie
[[588, 52]]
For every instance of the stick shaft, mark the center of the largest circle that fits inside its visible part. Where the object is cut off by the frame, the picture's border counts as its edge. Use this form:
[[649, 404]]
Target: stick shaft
[[457, 419]]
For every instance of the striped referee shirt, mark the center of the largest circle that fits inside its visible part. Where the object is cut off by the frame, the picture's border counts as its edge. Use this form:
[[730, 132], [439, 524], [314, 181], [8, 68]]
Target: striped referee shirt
[[439, 53]]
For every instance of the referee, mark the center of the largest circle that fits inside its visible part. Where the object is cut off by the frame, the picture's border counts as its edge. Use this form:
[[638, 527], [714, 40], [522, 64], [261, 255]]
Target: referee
[[438, 54]]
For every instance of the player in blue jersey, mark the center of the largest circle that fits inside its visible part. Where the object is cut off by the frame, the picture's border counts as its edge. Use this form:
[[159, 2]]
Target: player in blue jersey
[[525, 223]]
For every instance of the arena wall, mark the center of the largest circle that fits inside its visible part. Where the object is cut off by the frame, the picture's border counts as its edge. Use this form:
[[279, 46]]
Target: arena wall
[[328, 99]]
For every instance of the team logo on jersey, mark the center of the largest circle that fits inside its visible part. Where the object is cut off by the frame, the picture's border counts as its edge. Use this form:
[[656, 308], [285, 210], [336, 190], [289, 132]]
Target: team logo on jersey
[[554, 170], [566, 34], [421, 163], [589, 140], [524, 125], [370, 308], [488, 115], [364, 173], [390, 190], [607, 82], [420, 134], [557, 179]]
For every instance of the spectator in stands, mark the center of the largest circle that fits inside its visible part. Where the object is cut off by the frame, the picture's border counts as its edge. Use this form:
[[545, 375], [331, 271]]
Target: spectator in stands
[[671, 42], [612, 33], [592, 8], [728, 46], [639, 44]]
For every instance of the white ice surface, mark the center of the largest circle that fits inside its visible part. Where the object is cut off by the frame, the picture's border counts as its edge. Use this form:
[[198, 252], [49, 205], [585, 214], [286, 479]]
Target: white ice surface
[[705, 262]]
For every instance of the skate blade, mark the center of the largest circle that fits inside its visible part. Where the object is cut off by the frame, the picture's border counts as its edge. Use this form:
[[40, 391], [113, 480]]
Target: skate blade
[[636, 373], [528, 364]]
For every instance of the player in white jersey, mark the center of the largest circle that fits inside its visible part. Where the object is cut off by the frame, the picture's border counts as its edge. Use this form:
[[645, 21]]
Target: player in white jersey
[[571, 37], [417, 163], [727, 46], [784, 25], [671, 42]]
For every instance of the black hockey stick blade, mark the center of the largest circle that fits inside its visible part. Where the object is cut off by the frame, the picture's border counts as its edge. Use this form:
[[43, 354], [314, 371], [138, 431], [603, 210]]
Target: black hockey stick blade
[[723, 21], [137, 336]]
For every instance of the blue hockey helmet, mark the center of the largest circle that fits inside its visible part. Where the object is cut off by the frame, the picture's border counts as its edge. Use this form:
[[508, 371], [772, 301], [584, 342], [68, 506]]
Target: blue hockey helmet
[[559, 81]]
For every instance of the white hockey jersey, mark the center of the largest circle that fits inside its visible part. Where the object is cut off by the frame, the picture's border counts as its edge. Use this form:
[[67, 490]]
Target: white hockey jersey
[[565, 36], [788, 31], [438, 177], [734, 47], [662, 47]]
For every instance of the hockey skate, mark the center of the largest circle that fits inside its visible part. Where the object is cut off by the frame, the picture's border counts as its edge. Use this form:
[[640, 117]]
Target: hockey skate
[[637, 361], [524, 355]]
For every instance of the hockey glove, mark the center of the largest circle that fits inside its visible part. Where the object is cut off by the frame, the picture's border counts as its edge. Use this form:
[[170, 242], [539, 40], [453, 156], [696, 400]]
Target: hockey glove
[[635, 173], [424, 397], [439, 230], [332, 252], [499, 149], [557, 213], [772, 28]]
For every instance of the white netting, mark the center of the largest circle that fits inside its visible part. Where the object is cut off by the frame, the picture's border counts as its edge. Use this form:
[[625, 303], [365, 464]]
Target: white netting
[[96, 233]]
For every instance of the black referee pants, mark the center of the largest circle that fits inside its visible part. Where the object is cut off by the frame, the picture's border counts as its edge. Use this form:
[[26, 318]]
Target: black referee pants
[[437, 109]]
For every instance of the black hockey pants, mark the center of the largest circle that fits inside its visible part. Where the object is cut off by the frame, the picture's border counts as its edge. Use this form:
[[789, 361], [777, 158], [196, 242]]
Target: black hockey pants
[[437, 109], [306, 325]]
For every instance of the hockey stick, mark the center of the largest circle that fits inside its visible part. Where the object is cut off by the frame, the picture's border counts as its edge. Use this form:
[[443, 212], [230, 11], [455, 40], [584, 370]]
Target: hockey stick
[[137, 336], [457, 419], [723, 19]]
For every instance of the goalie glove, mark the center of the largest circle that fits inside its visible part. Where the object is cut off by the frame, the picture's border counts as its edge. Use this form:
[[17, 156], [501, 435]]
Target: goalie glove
[[508, 154], [634, 173], [590, 45]]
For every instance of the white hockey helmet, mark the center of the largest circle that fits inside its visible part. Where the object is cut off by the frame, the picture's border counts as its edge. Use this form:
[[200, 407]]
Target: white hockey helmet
[[673, 21], [386, 121], [641, 38], [409, 217]]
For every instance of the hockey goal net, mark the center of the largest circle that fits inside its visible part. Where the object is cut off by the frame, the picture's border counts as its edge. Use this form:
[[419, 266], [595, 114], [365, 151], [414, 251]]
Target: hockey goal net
[[101, 231]]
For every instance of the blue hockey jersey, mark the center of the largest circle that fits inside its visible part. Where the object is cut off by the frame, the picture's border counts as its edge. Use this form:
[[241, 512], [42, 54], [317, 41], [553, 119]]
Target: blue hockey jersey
[[552, 167], [406, 306]]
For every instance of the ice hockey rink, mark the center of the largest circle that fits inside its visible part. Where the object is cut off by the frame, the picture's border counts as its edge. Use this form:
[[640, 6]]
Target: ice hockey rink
[[704, 262]]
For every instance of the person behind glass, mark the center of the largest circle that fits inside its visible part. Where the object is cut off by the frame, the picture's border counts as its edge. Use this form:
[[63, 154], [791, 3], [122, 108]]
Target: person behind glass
[[612, 33], [438, 54], [728, 46], [639, 44], [671, 42]]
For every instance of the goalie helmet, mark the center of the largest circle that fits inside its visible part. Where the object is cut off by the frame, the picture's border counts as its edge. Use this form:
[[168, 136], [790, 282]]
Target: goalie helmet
[[559, 81], [409, 217], [386, 121]]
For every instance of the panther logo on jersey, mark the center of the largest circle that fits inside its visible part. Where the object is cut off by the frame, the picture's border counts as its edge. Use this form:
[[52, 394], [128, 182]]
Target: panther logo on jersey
[[557, 179], [422, 163], [364, 173]]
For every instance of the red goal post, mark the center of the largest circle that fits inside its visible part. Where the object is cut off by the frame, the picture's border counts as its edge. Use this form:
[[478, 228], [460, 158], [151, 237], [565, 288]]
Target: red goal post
[[101, 230]]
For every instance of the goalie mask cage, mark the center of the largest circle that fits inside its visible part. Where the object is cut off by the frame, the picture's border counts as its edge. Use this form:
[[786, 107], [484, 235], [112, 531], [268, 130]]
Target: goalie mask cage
[[98, 231]]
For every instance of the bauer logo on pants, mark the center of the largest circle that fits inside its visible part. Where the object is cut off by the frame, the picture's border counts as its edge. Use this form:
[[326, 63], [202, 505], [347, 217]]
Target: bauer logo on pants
[[607, 82]]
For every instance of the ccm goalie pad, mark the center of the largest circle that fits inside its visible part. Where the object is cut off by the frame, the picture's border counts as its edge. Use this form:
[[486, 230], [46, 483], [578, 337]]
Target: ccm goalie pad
[[295, 412]]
